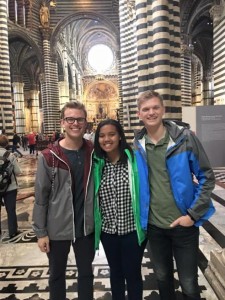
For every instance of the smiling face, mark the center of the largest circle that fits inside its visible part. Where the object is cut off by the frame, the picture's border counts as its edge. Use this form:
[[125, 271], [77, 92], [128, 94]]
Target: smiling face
[[151, 113], [75, 130], [109, 139]]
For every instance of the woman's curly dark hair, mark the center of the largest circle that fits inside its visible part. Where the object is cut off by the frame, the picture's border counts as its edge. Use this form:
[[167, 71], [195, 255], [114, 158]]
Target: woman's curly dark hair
[[122, 144]]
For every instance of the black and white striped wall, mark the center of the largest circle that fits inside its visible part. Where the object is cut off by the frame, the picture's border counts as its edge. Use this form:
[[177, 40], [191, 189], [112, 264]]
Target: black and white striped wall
[[150, 55], [6, 116]]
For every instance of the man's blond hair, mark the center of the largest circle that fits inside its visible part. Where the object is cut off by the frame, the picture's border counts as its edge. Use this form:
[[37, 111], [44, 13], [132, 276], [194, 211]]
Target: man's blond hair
[[147, 95]]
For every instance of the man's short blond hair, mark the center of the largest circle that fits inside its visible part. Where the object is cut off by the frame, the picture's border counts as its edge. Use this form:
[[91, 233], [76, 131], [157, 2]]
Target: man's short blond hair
[[147, 95], [73, 105]]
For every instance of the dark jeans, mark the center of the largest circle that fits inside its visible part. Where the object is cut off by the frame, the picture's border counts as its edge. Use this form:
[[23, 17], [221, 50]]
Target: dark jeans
[[84, 255], [14, 149], [10, 206], [182, 243], [32, 148], [124, 257]]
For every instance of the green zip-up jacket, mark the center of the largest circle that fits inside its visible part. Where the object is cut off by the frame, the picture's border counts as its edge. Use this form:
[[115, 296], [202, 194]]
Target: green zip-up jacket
[[134, 190]]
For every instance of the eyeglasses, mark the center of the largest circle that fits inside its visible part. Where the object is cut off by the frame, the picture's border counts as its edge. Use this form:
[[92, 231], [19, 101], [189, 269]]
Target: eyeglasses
[[71, 120]]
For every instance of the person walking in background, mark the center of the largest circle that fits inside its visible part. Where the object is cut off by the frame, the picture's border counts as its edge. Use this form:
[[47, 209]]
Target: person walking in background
[[170, 157], [24, 141], [117, 216], [31, 142], [90, 135], [63, 208], [8, 198], [57, 135], [16, 144]]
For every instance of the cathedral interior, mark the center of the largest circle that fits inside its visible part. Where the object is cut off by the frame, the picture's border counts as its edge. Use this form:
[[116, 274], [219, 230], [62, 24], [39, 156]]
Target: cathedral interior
[[104, 53]]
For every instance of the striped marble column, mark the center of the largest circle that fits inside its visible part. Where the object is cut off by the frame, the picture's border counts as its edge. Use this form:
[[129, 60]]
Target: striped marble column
[[73, 92], [207, 88], [65, 64], [186, 52], [64, 85], [119, 113], [18, 97], [6, 115], [218, 15], [150, 55], [34, 98], [63, 93], [158, 40], [49, 86], [79, 90], [128, 76]]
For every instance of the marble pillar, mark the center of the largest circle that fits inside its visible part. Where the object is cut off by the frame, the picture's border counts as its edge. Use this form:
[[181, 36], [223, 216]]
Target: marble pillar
[[63, 93], [34, 97], [6, 115], [18, 96]]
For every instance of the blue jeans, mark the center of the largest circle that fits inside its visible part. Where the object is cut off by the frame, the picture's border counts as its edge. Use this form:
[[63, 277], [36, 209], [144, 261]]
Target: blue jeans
[[124, 257], [58, 255], [182, 243]]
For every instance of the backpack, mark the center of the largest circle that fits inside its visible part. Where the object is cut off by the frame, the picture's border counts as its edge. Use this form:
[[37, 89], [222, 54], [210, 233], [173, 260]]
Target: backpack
[[6, 170]]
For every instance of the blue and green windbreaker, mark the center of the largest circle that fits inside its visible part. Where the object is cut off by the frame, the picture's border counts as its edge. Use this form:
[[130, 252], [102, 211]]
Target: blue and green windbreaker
[[185, 157]]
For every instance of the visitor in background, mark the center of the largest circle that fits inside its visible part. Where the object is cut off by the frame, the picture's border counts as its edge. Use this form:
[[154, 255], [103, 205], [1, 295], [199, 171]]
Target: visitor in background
[[16, 143], [8, 199], [31, 142]]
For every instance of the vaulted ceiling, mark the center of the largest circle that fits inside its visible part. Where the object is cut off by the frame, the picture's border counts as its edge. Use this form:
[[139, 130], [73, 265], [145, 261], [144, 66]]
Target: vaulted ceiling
[[196, 29]]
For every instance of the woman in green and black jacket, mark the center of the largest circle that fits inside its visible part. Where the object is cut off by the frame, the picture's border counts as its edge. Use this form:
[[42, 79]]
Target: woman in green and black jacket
[[117, 211]]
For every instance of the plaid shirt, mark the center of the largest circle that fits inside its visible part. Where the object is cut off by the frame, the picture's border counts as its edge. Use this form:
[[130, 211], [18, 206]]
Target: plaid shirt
[[115, 200]]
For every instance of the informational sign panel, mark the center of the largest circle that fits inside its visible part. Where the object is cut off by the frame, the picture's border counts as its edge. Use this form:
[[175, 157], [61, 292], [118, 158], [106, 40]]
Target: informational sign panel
[[208, 122], [210, 129]]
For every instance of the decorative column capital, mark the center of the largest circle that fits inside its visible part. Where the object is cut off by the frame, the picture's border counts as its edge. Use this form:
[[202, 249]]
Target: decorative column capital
[[34, 87], [17, 78], [46, 33], [131, 8], [207, 76], [42, 78], [187, 49], [216, 13]]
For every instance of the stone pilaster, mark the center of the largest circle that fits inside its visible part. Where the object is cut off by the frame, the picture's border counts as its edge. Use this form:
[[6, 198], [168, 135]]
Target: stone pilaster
[[73, 93], [79, 90], [186, 56], [218, 16], [63, 93], [158, 51], [49, 85], [34, 98], [18, 96], [207, 88]]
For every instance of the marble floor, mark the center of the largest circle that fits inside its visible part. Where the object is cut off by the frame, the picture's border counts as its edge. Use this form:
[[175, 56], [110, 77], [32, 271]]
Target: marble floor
[[24, 269]]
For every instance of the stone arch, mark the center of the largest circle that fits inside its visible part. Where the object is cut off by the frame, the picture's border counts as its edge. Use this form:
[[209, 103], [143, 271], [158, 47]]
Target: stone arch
[[18, 33], [79, 16]]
